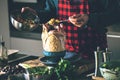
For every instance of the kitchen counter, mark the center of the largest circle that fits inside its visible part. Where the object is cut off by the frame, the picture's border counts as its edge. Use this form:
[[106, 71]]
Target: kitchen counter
[[19, 58], [14, 59], [113, 37]]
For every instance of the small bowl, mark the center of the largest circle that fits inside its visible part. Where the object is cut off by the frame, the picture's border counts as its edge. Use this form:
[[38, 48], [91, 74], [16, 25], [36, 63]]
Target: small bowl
[[110, 70]]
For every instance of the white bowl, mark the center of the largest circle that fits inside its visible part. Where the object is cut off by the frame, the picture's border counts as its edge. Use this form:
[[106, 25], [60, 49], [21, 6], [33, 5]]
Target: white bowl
[[109, 74], [110, 71]]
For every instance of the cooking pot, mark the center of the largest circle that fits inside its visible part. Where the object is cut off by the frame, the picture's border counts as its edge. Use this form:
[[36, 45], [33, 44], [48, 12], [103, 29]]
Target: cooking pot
[[26, 21]]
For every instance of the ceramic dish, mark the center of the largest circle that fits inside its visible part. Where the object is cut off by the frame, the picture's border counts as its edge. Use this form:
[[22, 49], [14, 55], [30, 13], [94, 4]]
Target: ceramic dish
[[110, 70]]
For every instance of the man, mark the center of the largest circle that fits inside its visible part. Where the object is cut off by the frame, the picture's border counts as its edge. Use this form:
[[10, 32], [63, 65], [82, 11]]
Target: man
[[86, 25], [89, 20]]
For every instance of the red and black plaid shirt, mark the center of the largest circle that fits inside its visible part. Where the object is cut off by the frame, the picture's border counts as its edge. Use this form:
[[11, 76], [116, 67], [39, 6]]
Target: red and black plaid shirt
[[79, 40]]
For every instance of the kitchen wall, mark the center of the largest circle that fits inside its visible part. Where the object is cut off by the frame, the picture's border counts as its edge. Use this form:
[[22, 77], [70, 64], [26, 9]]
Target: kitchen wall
[[113, 36], [34, 47], [4, 23], [27, 46]]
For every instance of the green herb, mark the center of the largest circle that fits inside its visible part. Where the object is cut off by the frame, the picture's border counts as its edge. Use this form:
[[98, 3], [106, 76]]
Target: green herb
[[62, 71]]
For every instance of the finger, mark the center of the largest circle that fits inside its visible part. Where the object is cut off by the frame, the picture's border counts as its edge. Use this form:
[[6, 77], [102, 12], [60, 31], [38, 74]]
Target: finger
[[45, 27], [76, 15], [80, 24], [80, 20], [22, 10], [72, 20], [76, 18], [62, 29], [61, 25]]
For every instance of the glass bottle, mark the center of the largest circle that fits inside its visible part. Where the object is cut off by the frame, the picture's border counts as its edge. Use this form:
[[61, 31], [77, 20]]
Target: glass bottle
[[4, 52]]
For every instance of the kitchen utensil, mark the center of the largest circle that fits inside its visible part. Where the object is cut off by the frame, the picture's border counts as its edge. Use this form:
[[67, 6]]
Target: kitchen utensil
[[63, 21], [24, 21]]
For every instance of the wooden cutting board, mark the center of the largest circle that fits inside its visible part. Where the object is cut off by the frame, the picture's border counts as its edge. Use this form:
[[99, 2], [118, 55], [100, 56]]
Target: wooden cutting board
[[97, 78], [33, 63]]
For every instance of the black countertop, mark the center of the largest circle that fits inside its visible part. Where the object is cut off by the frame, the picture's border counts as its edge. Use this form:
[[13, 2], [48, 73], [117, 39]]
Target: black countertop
[[19, 58]]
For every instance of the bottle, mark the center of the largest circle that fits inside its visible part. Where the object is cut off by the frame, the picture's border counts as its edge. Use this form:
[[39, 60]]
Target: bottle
[[4, 52]]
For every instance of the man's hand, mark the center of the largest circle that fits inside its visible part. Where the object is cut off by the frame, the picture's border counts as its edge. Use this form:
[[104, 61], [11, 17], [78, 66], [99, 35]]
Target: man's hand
[[79, 20]]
